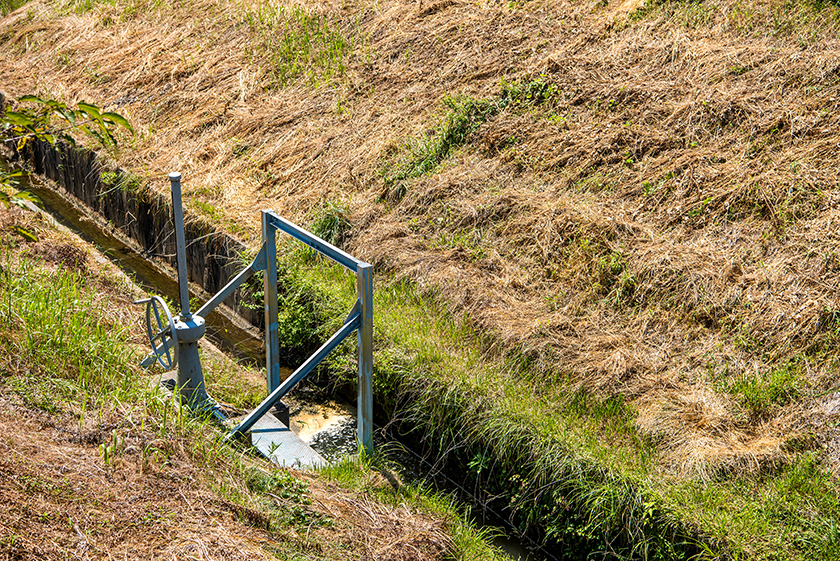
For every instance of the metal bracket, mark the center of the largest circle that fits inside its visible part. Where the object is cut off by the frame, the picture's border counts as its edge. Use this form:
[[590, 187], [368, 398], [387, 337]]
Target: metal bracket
[[353, 312], [258, 264]]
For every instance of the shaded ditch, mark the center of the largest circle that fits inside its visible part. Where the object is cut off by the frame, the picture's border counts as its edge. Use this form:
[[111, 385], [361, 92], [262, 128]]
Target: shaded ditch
[[224, 329], [142, 218], [328, 426]]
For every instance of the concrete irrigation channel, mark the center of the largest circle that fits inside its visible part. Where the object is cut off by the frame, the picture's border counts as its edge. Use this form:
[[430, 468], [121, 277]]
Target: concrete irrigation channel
[[132, 226]]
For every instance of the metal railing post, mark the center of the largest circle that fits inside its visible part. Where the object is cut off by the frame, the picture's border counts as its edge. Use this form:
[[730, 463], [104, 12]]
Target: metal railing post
[[272, 344], [180, 244], [187, 329], [364, 288]]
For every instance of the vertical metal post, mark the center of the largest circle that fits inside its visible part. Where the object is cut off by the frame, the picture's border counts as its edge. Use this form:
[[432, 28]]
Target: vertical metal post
[[272, 345], [180, 245], [364, 287], [190, 329]]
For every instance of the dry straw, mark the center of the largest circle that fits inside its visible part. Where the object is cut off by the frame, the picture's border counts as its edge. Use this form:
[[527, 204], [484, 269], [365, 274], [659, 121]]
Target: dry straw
[[662, 226]]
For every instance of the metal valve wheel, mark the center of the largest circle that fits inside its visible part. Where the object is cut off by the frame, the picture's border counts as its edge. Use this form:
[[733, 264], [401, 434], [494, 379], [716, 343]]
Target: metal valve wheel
[[162, 336]]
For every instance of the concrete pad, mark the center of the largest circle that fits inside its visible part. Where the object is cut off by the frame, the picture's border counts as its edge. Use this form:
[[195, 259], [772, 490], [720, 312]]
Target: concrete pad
[[279, 444]]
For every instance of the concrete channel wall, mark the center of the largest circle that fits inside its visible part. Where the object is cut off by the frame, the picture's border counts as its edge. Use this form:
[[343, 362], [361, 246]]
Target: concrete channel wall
[[145, 218]]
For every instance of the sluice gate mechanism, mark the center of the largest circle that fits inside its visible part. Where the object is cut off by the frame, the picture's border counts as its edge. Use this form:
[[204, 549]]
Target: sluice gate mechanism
[[174, 340]]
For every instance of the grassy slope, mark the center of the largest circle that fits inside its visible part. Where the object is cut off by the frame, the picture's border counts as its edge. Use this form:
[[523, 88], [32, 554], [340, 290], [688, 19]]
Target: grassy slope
[[631, 203], [97, 462]]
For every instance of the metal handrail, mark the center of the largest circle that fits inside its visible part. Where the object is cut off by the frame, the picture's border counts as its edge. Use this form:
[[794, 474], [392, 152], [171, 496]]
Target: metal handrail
[[360, 319], [189, 328], [313, 241]]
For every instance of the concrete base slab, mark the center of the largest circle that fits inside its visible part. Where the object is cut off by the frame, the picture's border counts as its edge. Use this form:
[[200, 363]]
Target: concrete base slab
[[167, 381], [270, 436], [283, 447]]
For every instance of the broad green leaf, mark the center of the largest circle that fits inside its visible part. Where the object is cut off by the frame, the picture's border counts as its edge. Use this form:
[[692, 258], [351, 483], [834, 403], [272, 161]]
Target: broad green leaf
[[32, 98], [18, 118], [92, 111], [97, 136], [10, 178], [65, 115], [105, 137], [21, 197], [118, 119]]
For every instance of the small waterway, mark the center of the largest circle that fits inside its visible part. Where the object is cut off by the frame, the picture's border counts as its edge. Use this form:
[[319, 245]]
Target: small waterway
[[223, 329], [329, 427]]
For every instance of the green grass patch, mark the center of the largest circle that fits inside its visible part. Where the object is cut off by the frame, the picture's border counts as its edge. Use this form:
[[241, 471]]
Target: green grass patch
[[123, 181], [804, 23], [423, 154], [227, 384], [521, 93], [9, 6], [299, 43], [462, 116], [569, 463], [208, 210], [468, 543], [331, 222], [760, 392], [60, 337]]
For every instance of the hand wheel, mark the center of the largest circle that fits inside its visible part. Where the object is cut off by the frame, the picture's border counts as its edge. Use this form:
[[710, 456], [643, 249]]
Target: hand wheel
[[159, 332]]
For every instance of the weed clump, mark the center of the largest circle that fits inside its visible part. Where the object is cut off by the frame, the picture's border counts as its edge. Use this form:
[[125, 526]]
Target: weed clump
[[331, 222], [122, 180], [299, 43], [463, 117], [9, 6]]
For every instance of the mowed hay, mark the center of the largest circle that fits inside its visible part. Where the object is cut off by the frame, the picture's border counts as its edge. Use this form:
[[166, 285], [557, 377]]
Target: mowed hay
[[381, 531], [63, 500], [664, 218], [702, 437]]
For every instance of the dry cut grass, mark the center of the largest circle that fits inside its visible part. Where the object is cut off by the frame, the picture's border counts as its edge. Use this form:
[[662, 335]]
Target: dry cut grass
[[648, 209]]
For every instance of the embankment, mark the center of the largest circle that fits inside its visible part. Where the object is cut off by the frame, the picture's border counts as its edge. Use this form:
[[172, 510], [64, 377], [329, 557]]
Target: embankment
[[604, 233], [545, 485]]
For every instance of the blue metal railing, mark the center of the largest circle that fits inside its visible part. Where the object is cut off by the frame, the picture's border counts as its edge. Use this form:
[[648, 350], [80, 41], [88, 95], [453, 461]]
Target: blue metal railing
[[183, 335], [360, 320]]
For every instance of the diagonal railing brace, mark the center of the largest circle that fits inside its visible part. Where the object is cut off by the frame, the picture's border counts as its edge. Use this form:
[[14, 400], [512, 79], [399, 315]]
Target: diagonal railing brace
[[297, 376]]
